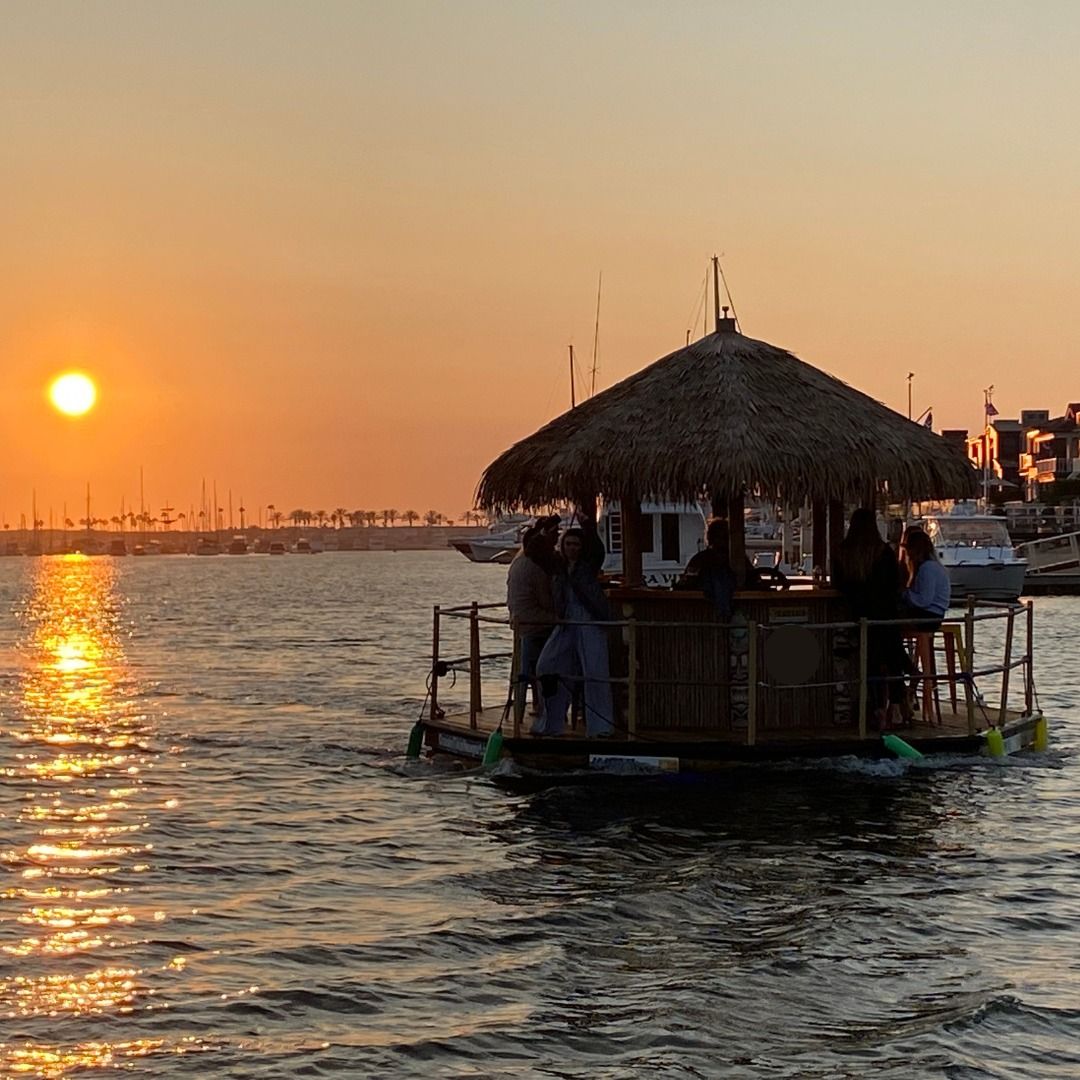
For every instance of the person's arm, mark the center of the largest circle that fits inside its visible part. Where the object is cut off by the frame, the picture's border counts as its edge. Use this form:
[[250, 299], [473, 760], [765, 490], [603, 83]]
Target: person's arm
[[921, 593], [592, 547]]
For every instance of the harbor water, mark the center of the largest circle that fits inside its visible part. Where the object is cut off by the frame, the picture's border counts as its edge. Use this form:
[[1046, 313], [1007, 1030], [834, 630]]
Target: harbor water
[[217, 863]]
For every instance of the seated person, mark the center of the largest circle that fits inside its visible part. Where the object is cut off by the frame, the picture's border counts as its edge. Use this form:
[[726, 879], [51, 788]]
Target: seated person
[[928, 591]]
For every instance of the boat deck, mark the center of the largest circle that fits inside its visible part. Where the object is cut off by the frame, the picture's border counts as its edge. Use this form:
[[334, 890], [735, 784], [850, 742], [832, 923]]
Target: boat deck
[[455, 734]]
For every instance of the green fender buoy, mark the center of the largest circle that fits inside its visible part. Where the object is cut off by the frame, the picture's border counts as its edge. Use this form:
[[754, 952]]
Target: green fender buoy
[[416, 739], [995, 743], [900, 748], [493, 749]]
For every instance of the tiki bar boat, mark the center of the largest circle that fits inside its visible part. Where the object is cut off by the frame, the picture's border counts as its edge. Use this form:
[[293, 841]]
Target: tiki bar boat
[[785, 676]]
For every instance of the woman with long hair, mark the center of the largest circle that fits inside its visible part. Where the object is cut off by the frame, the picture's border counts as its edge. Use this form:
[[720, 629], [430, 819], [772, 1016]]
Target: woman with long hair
[[866, 574], [928, 592]]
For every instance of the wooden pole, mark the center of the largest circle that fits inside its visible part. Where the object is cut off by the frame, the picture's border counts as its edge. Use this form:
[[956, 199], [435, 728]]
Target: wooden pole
[[969, 663], [820, 548], [716, 290], [737, 538], [631, 539], [752, 684], [433, 713], [1003, 712], [475, 704], [836, 533], [1029, 687], [519, 690], [864, 636], [631, 674]]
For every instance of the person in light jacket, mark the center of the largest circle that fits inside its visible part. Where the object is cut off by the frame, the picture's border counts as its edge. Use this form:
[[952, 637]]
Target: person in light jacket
[[577, 650], [531, 603], [928, 591]]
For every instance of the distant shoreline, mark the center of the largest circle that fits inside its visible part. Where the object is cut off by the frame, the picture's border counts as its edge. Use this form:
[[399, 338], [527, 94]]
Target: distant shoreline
[[182, 542]]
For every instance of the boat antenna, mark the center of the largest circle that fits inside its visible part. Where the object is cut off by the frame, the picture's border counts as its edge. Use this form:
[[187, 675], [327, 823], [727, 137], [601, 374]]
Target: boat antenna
[[573, 394], [700, 309], [596, 337], [727, 292]]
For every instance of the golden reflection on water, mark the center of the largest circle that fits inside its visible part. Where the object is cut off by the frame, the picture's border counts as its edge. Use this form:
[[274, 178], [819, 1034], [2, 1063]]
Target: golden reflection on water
[[80, 751]]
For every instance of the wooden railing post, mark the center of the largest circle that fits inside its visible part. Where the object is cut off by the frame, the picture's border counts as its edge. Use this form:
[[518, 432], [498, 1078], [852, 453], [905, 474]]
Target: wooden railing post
[[1003, 711], [1029, 682], [752, 684], [631, 675], [969, 664], [433, 712], [864, 637], [518, 690], [475, 704]]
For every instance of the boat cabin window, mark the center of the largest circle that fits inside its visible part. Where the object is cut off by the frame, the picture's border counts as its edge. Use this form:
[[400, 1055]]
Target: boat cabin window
[[614, 532], [968, 533], [669, 538]]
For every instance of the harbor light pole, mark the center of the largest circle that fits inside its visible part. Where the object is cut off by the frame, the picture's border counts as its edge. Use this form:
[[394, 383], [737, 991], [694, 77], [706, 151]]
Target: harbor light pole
[[910, 376]]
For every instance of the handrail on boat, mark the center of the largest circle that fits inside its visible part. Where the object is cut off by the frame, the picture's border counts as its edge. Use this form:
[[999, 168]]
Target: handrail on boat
[[757, 633]]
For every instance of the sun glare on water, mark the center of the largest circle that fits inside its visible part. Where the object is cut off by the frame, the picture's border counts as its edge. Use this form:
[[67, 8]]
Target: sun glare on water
[[73, 393]]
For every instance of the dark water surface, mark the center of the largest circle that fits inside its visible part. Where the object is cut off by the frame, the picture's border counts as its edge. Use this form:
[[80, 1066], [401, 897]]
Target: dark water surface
[[216, 863]]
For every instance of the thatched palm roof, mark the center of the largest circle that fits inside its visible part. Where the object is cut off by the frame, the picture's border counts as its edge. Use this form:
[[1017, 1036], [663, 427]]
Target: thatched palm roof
[[724, 415]]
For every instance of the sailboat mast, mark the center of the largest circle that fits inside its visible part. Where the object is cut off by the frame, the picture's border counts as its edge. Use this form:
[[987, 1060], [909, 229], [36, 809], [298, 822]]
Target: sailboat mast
[[596, 337], [573, 393], [716, 290]]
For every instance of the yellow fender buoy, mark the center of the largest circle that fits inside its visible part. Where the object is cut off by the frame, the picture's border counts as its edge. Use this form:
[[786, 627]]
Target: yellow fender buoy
[[1042, 734], [995, 743]]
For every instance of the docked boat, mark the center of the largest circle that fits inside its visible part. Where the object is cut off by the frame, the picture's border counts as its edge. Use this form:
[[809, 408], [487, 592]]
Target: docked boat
[[206, 545], [117, 546], [237, 546], [978, 554], [670, 534], [276, 547], [786, 675], [498, 545], [303, 547]]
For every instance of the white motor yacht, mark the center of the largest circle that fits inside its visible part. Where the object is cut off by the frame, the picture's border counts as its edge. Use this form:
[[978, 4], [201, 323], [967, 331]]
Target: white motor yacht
[[979, 555]]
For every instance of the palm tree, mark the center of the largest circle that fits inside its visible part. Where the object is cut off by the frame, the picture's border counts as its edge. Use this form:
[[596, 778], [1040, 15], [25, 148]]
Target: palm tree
[[356, 518], [432, 517], [297, 516], [371, 516], [339, 515], [320, 518], [410, 516], [276, 518]]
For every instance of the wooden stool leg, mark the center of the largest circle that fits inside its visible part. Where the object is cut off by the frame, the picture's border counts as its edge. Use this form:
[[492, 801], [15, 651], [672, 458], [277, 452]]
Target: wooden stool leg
[[925, 648], [950, 664]]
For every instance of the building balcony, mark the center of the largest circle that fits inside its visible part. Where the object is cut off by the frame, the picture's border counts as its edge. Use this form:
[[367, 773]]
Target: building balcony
[[1048, 470]]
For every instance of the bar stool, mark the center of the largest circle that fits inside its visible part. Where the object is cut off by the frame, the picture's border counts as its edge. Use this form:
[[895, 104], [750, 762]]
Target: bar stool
[[926, 669], [921, 645]]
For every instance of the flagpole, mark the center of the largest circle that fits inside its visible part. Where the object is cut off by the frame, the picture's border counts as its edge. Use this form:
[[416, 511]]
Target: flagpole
[[987, 413]]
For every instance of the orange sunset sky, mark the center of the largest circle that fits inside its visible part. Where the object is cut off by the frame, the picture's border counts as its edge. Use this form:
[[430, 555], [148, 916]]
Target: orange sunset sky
[[331, 254]]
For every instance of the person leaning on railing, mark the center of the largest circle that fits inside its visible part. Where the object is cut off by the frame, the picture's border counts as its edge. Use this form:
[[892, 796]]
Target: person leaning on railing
[[530, 601]]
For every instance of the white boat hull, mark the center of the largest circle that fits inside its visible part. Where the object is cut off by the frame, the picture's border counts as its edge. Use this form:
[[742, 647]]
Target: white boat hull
[[987, 581]]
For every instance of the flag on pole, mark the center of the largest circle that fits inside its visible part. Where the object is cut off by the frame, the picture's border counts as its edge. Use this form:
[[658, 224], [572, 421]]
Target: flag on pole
[[990, 410], [928, 423]]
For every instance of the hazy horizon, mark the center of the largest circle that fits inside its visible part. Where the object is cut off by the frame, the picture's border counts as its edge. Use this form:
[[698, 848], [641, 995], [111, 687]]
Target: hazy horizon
[[340, 251]]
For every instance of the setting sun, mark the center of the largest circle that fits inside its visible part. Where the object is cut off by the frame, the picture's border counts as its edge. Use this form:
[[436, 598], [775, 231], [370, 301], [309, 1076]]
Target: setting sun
[[73, 393]]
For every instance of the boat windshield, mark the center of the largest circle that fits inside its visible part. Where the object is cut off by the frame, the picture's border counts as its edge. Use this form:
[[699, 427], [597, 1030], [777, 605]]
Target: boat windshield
[[967, 532]]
